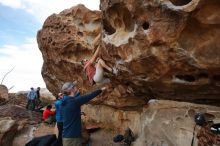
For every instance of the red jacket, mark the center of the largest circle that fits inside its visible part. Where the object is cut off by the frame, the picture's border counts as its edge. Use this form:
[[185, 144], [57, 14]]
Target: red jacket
[[47, 113]]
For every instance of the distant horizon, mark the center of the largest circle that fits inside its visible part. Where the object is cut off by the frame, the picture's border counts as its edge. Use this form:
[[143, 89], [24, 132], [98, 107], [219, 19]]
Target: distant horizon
[[42, 88], [20, 21]]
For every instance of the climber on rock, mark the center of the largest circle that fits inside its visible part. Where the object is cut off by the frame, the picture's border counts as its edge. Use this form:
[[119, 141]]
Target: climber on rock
[[94, 67]]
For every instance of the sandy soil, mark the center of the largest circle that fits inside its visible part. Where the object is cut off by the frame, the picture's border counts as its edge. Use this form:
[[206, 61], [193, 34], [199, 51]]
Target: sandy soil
[[44, 129], [102, 137]]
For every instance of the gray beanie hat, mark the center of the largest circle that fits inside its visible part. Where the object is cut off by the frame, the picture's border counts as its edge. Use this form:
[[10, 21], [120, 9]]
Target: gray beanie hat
[[68, 86]]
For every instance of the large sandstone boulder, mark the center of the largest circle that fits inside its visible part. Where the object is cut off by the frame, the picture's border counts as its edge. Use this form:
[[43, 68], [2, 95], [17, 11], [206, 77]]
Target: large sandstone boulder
[[168, 48], [159, 123], [7, 125], [62, 36], [3, 93], [8, 130], [162, 49], [24, 136], [16, 125]]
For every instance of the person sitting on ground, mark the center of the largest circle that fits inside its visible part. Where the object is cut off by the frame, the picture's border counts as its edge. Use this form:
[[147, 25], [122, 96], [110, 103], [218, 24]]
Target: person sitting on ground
[[48, 115], [31, 97], [94, 67]]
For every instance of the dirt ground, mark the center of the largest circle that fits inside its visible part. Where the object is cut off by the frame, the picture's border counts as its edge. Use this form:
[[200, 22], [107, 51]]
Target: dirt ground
[[101, 137], [43, 129]]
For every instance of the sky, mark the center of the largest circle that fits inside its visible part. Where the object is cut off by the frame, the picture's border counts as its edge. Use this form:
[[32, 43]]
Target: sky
[[19, 22]]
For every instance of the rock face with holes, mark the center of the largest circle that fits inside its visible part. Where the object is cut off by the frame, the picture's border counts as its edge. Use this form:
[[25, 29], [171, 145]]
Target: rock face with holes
[[64, 41], [164, 49]]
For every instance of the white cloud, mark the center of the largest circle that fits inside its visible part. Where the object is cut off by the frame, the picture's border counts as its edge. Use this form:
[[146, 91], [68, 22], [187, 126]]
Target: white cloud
[[27, 60], [26, 57], [41, 9], [17, 4]]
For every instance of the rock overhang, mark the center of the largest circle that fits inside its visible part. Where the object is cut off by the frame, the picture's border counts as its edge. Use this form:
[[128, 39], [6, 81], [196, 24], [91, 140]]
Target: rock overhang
[[162, 50]]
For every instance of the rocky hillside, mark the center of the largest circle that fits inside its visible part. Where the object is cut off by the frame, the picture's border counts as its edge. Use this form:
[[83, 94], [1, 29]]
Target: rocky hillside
[[17, 124], [165, 49]]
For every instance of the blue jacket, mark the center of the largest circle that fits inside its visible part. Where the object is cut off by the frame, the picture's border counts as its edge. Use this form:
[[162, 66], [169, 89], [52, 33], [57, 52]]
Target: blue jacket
[[59, 117], [72, 113], [31, 95], [58, 105], [65, 98]]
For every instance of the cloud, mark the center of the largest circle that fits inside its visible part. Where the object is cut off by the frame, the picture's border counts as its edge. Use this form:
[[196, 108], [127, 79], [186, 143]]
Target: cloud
[[17, 4], [4, 55], [41, 9], [25, 55], [27, 60]]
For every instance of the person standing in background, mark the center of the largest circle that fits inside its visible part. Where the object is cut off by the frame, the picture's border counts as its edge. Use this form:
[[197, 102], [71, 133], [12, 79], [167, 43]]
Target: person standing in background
[[31, 97], [59, 118], [38, 101]]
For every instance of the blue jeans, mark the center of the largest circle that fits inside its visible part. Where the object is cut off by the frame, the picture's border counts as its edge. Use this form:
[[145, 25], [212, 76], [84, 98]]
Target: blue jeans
[[30, 104]]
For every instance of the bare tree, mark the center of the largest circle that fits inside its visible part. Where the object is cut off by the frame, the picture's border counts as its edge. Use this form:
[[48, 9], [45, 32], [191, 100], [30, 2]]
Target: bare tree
[[7, 74], [11, 87]]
